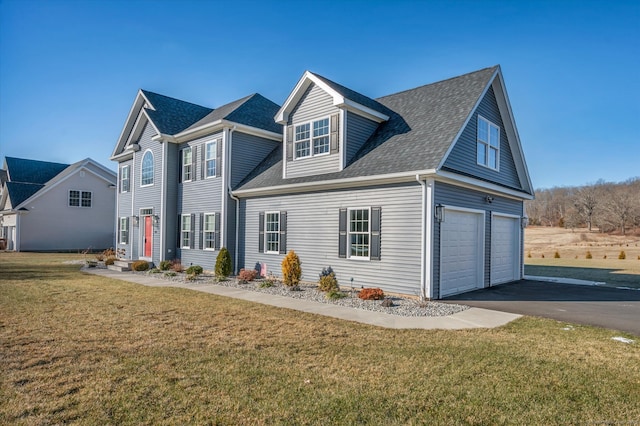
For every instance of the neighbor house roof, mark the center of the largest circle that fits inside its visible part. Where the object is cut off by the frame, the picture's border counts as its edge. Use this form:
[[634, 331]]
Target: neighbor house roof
[[32, 171], [171, 115], [423, 123]]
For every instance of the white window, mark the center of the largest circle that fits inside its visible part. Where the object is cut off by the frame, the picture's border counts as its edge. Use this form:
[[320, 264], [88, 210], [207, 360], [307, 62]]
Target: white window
[[211, 152], [124, 179], [124, 230], [272, 232], [147, 169], [185, 231], [186, 165], [359, 233], [209, 230], [488, 144], [79, 198], [312, 138]]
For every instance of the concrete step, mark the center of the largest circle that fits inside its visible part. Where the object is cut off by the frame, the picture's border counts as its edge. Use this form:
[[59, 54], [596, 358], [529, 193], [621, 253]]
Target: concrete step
[[121, 265], [118, 268]]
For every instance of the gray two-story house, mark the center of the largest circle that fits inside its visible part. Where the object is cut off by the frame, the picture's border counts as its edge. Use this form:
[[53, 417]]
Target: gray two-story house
[[419, 192]]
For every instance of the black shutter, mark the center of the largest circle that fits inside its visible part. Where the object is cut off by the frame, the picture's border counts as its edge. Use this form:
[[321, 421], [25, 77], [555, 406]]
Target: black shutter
[[217, 234], [283, 232], [261, 232], [289, 143], [203, 154], [374, 253], [334, 138], [192, 237], [219, 158], [342, 233], [180, 165], [118, 231], [194, 163], [126, 225], [179, 236], [201, 233]]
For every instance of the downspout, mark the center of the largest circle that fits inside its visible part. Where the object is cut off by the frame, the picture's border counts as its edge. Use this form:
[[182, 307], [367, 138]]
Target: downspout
[[423, 240], [236, 199]]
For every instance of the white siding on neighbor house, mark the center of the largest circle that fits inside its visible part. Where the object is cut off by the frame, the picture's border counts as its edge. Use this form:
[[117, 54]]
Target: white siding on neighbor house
[[51, 224], [312, 232], [315, 104]]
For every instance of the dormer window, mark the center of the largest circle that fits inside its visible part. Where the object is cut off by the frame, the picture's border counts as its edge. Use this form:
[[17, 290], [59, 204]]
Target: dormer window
[[488, 145], [308, 143]]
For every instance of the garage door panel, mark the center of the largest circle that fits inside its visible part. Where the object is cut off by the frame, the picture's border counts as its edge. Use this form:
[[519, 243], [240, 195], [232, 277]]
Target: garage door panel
[[504, 249]]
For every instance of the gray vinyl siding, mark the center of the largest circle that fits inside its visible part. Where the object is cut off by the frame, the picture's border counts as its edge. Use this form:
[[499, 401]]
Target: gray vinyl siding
[[248, 152], [171, 201], [313, 229], [125, 202], [463, 156], [358, 131], [314, 105], [453, 196], [195, 197]]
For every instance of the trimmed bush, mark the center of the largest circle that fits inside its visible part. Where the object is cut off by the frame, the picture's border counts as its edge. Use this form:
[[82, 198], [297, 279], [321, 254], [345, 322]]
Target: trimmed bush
[[109, 260], [165, 265], [246, 275], [223, 264], [328, 281], [335, 295], [556, 255], [194, 270], [371, 294], [176, 266], [622, 255], [588, 256], [291, 269], [140, 265]]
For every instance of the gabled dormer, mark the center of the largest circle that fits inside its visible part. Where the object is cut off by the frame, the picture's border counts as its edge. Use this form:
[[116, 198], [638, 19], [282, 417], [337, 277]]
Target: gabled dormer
[[324, 125]]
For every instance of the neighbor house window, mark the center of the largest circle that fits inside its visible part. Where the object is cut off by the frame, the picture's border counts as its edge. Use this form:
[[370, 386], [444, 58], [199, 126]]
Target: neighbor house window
[[185, 231], [123, 236], [79, 198], [209, 230], [147, 169], [272, 232], [488, 144], [124, 179], [359, 233], [312, 138], [211, 152], [186, 165]]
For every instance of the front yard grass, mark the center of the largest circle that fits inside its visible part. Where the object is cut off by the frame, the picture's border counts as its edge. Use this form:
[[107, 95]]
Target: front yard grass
[[79, 348]]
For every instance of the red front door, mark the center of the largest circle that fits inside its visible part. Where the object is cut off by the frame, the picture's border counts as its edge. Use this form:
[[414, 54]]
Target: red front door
[[148, 233]]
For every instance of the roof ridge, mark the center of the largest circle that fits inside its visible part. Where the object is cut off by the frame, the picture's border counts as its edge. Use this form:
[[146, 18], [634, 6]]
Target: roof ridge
[[172, 98]]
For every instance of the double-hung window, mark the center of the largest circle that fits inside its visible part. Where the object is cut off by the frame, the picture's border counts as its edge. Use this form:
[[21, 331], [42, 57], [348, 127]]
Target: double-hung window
[[147, 169], [272, 232], [79, 198], [312, 138], [488, 144], [210, 158], [185, 231], [359, 233], [123, 236], [209, 230], [187, 164], [125, 180]]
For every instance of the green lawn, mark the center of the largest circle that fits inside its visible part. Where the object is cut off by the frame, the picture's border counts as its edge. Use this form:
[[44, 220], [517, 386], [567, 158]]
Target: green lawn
[[613, 272], [78, 348]]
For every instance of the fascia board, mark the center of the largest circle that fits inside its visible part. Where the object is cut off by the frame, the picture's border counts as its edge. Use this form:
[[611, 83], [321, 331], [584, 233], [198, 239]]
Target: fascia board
[[364, 111], [127, 155], [138, 103], [336, 184], [199, 131], [477, 184], [282, 115], [466, 121], [219, 125]]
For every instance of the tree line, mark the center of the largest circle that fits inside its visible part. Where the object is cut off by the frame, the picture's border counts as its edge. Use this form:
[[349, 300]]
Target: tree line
[[607, 206]]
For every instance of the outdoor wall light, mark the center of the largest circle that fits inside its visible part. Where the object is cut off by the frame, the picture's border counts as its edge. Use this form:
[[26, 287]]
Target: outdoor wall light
[[156, 219], [525, 222], [489, 199], [439, 213], [136, 220]]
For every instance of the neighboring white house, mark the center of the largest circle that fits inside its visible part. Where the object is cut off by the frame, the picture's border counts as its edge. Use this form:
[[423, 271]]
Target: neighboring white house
[[48, 206]]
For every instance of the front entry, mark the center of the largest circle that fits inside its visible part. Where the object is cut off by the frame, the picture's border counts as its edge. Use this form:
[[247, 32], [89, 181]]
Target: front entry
[[148, 236]]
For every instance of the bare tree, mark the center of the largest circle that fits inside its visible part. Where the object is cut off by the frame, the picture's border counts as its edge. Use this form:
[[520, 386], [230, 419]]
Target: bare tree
[[586, 200]]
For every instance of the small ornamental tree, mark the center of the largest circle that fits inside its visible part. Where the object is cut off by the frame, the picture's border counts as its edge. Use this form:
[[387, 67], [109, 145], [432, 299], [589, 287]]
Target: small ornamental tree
[[223, 264], [291, 269]]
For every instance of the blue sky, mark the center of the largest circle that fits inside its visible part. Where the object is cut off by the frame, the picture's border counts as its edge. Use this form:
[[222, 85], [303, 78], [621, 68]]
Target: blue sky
[[70, 70]]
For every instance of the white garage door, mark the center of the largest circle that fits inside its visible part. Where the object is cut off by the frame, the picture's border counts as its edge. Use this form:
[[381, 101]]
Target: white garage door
[[461, 252], [505, 249]]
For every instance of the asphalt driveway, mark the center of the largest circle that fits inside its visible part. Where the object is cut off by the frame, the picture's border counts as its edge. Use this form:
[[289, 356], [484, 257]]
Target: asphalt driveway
[[592, 305]]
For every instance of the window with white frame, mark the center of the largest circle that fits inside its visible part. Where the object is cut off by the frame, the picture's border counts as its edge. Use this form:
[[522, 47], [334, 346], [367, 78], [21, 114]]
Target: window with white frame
[[312, 138], [209, 230], [359, 233], [123, 237], [125, 180], [211, 151], [272, 232], [187, 172], [185, 231], [79, 198], [488, 144], [147, 169]]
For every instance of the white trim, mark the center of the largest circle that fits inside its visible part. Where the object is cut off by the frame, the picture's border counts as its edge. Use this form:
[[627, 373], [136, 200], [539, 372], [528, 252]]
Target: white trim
[[224, 173], [153, 168], [120, 169], [311, 138], [182, 168], [81, 192], [487, 144], [142, 232], [216, 127], [477, 184], [277, 233], [349, 256], [428, 257], [363, 111], [204, 231], [182, 216], [215, 157], [342, 135], [163, 207]]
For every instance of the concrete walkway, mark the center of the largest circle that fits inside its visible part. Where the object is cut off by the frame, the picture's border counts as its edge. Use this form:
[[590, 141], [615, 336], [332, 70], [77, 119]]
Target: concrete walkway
[[470, 318]]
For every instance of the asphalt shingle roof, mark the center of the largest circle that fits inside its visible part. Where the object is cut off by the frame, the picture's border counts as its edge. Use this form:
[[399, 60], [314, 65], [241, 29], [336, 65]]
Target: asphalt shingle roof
[[32, 171], [172, 115], [355, 96], [422, 126], [18, 191]]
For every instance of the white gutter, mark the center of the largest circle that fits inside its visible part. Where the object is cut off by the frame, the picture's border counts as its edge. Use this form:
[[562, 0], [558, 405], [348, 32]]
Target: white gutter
[[423, 239], [237, 200]]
